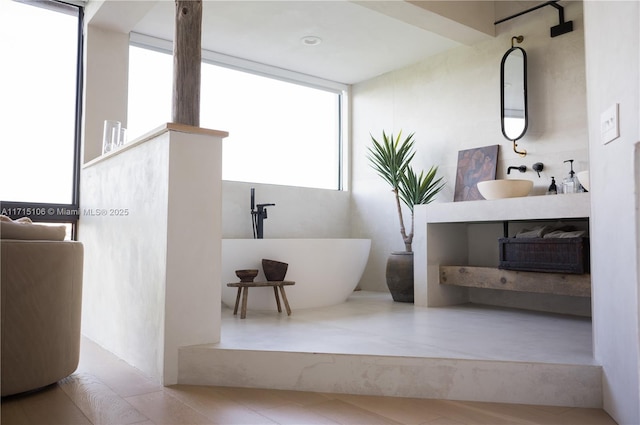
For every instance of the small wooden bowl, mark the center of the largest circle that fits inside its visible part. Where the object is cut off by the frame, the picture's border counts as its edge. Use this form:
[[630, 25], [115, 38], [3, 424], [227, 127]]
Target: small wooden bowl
[[274, 270], [247, 275]]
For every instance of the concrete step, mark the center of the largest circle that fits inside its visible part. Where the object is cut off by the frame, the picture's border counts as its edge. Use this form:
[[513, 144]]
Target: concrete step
[[522, 382]]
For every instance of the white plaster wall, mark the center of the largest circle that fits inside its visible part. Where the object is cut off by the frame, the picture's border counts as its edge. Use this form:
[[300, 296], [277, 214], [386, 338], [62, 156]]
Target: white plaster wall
[[151, 226], [194, 246], [105, 85], [106, 66], [299, 212], [613, 65], [125, 255], [452, 102]]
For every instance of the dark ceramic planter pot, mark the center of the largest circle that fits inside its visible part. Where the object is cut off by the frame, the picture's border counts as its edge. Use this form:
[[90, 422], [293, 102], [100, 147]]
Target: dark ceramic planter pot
[[400, 276]]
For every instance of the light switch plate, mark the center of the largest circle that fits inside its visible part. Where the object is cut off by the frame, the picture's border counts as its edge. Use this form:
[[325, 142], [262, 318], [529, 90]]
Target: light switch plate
[[609, 128]]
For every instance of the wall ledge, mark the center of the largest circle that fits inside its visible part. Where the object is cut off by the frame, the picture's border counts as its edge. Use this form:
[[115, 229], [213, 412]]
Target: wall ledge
[[170, 126]]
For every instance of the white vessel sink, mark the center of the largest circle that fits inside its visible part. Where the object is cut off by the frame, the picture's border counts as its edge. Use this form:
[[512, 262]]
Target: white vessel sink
[[500, 189]]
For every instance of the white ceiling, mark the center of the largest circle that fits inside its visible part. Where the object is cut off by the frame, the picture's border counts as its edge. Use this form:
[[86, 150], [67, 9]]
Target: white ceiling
[[358, 41]]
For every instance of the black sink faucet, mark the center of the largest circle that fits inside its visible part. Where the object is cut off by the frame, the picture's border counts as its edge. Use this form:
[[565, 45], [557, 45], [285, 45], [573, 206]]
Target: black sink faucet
[[521, 168], [258, 216]]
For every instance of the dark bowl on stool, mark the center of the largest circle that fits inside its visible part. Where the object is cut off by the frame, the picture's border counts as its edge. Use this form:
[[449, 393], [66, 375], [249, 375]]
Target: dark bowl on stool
[[274, 270], [247, 275]]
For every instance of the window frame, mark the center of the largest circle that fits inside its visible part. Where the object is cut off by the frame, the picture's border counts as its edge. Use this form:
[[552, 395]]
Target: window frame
[[46, 212]]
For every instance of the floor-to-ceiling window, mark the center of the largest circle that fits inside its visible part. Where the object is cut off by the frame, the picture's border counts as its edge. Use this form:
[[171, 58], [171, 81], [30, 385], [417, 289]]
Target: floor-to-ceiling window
[[280, 131], [40, 86]]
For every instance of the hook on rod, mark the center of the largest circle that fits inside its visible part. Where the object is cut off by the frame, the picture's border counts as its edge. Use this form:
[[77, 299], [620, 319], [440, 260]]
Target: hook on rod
[[518, 38], [522, 153]]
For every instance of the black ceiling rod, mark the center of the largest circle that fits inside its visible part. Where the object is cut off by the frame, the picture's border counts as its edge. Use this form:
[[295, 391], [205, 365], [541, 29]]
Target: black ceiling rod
[[562, 28]]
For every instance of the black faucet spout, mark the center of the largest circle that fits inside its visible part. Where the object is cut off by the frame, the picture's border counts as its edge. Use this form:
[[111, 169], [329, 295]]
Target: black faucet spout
[[521, 168]]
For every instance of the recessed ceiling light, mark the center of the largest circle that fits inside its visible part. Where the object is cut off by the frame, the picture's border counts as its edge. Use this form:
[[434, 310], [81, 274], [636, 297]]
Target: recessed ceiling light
[[311, 40]]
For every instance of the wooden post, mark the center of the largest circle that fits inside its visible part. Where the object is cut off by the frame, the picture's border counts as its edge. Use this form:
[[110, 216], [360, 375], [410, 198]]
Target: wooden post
[[185, 108]]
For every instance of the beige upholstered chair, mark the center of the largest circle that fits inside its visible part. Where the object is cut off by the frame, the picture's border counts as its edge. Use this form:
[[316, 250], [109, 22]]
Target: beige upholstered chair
[[41, 306]]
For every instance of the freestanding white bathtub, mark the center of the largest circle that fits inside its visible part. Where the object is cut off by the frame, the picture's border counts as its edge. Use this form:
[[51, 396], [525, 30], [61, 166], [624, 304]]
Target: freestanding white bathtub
[[326, 271]]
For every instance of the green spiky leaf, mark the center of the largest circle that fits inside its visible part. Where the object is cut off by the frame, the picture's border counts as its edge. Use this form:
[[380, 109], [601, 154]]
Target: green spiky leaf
[[418, 189], [391, 157]]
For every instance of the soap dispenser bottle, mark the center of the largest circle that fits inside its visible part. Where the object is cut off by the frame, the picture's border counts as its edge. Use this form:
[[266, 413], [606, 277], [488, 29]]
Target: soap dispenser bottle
[[570, 184], [553, 189]]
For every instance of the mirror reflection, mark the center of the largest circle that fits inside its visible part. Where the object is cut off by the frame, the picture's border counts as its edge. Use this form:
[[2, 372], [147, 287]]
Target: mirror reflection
[[513, 93]]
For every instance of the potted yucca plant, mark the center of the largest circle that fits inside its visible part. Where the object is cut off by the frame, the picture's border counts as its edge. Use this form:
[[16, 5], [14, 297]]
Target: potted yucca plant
[[391, 158]]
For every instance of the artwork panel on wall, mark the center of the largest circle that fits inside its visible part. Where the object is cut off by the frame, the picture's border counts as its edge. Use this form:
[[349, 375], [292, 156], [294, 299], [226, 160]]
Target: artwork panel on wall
[[474, 165]]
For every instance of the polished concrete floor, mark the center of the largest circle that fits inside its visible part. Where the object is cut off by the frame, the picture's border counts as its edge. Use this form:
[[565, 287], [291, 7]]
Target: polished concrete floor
[[372, 323]]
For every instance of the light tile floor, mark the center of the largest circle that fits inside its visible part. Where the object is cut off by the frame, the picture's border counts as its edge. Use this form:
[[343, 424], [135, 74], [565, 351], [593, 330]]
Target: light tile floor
[[371, 323], [105, 390]]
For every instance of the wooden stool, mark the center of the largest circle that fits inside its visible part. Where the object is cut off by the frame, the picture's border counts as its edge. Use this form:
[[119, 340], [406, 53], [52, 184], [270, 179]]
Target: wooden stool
[[245, 294]]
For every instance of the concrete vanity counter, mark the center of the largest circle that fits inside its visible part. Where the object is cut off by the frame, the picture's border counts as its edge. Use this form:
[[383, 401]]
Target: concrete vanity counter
[[575, 205]]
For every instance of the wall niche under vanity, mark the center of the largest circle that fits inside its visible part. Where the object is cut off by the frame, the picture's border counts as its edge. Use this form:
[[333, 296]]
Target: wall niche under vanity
[[461, 245]]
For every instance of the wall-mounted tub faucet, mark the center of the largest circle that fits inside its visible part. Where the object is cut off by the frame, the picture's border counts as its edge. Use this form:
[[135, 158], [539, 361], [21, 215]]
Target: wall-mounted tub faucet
[[521, 168], [258, 215]]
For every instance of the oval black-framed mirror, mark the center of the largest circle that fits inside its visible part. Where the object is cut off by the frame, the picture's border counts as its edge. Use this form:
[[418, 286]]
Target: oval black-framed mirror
[[514, 112]]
